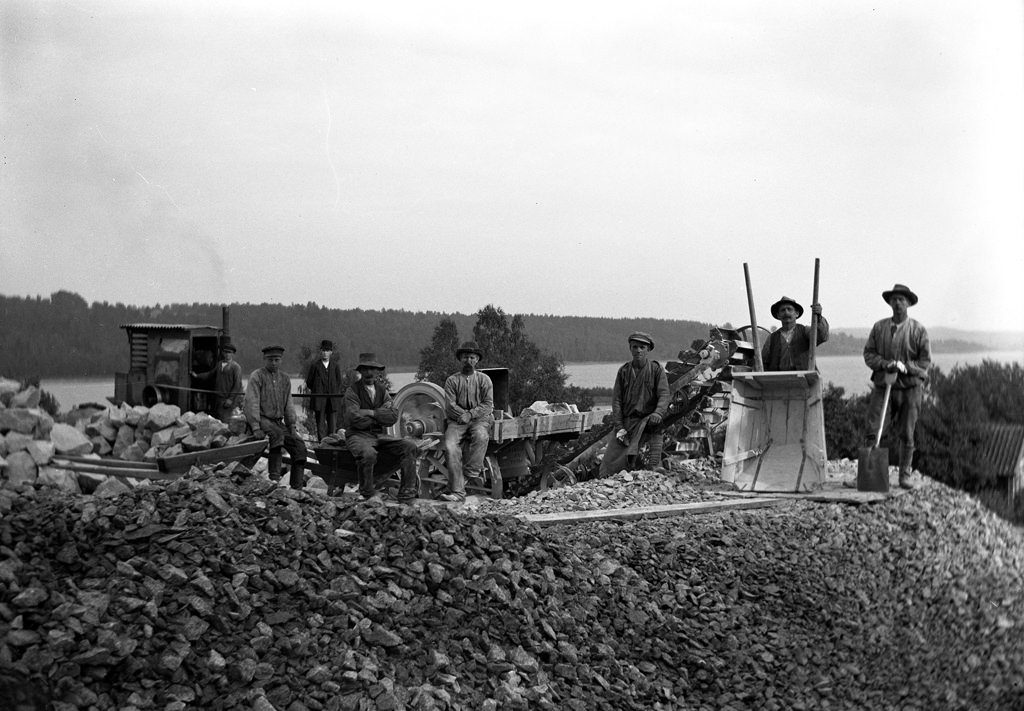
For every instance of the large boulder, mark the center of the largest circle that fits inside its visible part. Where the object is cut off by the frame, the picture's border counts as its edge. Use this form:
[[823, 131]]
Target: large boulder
[[9, 387], [125, 437], [135, 452], [163, 438], [21, 468], [60, 478], [19, 419], [101, 446], [70, 440], [29, 397], [41, 451], [107, 429], [17, 442], [135, 414], [163, 415], [111, 487]]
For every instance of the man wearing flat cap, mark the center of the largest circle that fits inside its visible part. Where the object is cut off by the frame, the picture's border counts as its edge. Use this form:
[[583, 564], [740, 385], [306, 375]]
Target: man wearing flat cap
[[269, 411], [368, 410], [787, 348], [469, 408], [226, 380], [324, 379], [899, 345], [640, 399]]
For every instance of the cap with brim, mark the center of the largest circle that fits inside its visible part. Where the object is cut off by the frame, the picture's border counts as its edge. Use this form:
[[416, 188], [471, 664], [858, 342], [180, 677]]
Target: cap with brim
[[228, 348], [369, 360], [900, 289], [326, 346], [641, 337], [782, 302], [469, 347], [273, 350]]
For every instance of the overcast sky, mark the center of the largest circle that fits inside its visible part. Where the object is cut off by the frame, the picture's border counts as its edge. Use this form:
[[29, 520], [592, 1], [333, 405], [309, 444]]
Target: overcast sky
[[576, 158]]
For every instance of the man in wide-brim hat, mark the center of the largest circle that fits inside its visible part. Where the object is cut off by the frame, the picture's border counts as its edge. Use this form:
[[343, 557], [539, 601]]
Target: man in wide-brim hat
[[269, 411], [788, 347], [369, 411], [324, 378], [899, 345], [640, 399], [468, 407]]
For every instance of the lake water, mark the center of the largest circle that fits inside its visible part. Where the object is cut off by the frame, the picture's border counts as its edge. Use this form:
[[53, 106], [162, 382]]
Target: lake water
[[848, 372]]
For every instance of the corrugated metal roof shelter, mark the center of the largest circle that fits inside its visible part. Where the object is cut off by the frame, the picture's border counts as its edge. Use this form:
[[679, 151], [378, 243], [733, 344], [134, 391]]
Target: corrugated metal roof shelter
[[1003, 450]]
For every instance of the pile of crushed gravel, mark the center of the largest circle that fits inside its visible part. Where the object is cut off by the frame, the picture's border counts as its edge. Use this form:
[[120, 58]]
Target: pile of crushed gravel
[[221, 590]]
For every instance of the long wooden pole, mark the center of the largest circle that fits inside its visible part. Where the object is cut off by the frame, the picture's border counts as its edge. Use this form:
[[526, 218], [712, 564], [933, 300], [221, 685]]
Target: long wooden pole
[[814, 319], [758, 363]]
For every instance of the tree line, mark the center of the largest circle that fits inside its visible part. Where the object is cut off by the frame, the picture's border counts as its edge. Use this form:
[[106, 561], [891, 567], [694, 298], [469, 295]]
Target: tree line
[[64, 336]]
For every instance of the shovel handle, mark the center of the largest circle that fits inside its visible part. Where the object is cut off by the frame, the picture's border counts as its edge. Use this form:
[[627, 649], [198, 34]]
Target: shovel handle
[[758, 363], [814, 319], [885, 408]]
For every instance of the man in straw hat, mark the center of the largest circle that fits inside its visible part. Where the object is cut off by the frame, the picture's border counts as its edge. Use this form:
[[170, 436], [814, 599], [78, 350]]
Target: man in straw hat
[[324, 378], [369, 409], [787, 348], [270, 413], [640, 399], [899, 345], [468, 407]]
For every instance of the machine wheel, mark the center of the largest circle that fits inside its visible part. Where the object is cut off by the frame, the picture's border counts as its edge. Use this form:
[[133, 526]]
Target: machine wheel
[[420, 409]]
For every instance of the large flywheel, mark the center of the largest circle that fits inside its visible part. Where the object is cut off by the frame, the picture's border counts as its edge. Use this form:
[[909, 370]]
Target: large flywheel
[[420, 409]]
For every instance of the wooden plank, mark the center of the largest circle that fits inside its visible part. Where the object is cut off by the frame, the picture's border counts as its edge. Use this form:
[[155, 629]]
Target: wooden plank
[[183, 462], [828, 495], [113, 463], [114, 471], [640, 512]]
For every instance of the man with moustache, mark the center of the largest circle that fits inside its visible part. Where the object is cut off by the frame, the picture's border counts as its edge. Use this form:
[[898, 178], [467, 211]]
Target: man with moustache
[[640, 399], [469, 406], [369, 409], [788, 347], [324, 379], [269, 411], [899, 344]]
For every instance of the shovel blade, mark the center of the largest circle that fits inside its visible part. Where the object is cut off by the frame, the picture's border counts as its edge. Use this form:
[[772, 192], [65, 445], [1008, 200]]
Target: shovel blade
[[873, 469]]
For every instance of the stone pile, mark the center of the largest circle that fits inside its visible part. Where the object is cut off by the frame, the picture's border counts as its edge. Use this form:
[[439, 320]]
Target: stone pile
[[30, 440], [222, 590]]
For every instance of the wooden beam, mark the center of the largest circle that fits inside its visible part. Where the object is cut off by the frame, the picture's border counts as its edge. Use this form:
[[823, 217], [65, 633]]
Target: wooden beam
[[640, 512]]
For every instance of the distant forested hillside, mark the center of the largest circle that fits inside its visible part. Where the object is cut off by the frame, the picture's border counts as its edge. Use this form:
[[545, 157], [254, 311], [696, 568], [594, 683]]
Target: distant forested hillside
[[64, 336]]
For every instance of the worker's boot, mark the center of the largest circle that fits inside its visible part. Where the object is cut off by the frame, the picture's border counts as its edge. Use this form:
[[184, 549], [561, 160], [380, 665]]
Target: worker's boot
[[906, 462], [274, 458], [654, 453], [366, 486], [296, 478]]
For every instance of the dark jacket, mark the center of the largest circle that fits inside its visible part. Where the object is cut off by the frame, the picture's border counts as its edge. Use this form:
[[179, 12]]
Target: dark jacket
[[324, 380], [774, 353], [357, 398], [655, 398], [913, 349]]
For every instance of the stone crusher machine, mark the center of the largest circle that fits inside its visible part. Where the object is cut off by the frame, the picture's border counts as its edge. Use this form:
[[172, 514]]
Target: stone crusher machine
[[516, 448], [161, 358]]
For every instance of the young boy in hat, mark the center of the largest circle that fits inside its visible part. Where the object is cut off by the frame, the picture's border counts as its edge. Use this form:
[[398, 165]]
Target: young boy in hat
[[640, 399], [269, 412], [469, 408], [324, 378], [788, 347], [899, 345], [226, 378]]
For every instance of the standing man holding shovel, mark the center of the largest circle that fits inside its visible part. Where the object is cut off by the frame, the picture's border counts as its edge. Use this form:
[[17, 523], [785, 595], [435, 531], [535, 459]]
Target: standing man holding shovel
[[898, 345]]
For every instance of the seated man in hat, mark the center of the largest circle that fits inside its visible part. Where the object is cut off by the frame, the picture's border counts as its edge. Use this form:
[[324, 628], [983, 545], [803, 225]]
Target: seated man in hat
[[226, 380], [640, 399], [468, 407], [324, 379], [270, 413], [788, 347], [368, 410], [898, 345]]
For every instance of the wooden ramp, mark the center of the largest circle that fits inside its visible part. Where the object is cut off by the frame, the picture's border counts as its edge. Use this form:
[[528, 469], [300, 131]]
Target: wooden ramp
[[775, 437], [642, 512]]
